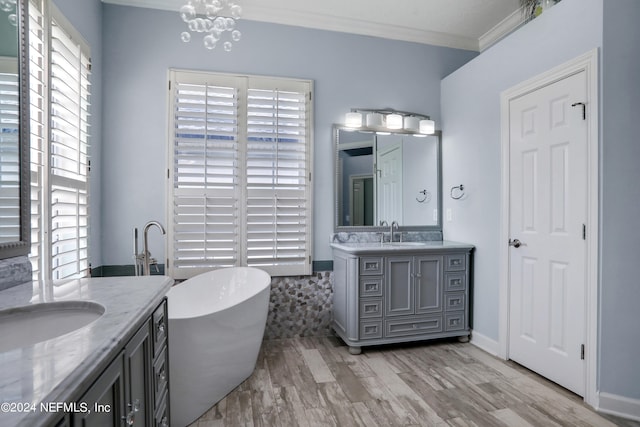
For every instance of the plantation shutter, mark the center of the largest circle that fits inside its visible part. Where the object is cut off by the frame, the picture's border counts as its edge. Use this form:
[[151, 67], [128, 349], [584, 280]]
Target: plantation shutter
[[9, 153], [240, 152], [277, 172], [38, 129], [69, 162], [205, 175]]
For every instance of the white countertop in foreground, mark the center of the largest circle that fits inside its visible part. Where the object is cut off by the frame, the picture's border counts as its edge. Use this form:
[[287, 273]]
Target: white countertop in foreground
[[428, 246], [57, 369]]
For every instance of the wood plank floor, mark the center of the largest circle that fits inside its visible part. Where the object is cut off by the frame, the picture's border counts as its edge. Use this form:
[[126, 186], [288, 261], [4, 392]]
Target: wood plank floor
[[316, 382]]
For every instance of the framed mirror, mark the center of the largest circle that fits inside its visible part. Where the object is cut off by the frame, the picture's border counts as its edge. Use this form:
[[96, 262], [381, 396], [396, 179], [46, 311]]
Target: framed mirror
[[14, 130], [386, 177]]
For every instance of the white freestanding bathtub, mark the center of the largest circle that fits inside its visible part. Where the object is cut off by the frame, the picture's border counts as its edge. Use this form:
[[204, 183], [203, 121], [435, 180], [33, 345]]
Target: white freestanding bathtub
[[216, 325]]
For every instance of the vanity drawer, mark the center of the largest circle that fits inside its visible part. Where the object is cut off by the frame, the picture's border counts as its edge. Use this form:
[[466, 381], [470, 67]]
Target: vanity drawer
[[160, 377], [370, 265], [454, 301], [370, 307], [370, 329], [455, 262], [455, 282], [454, 321], [371, 286], [162, 415], [159, 327], [423, 325]]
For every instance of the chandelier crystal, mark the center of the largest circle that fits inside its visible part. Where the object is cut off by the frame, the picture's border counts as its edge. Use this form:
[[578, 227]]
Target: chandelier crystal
[[212, 18]]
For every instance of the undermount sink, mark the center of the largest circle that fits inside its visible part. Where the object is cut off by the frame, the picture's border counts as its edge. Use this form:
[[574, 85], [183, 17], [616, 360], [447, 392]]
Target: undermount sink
[[28, 325]]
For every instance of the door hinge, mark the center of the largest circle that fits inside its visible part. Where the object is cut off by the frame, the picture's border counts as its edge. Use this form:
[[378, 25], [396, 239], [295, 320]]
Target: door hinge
[[584, 232], [168, 173], [584, 109], [169, 84], [582, 352], [309, 259], [309, 176], [88, 166]]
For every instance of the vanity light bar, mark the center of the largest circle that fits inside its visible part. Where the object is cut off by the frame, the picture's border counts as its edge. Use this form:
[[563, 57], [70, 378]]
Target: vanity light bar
[[385, 120]]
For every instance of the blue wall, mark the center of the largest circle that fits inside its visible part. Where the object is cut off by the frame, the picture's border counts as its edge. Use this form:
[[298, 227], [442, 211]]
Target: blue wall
[[140, 45], [471, 149], [620, 207]]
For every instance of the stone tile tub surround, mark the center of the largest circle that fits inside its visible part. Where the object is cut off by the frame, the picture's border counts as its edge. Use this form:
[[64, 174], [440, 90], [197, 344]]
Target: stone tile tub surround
[[300, 306], [58, 369]]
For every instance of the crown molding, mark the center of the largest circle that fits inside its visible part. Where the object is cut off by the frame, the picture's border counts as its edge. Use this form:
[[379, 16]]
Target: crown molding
[[256, 12], [504, 27]]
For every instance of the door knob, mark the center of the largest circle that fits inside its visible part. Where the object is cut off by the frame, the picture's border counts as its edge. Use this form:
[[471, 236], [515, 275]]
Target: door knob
[[515, 243]]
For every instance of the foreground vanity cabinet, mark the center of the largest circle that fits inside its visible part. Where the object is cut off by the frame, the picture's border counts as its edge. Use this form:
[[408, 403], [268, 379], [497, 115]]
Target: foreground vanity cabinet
[[386, 294], [133, 389]]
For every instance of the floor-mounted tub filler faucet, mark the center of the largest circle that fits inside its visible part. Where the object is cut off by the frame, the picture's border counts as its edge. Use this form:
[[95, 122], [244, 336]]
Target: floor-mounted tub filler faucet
[[144, 261]]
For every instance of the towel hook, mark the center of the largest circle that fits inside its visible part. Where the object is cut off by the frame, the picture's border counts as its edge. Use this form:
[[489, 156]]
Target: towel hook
[[426, 196], [460, 194]]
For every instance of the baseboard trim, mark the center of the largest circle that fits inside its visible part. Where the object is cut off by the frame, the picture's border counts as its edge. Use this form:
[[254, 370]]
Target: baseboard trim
[[619, 406], [485, 343]]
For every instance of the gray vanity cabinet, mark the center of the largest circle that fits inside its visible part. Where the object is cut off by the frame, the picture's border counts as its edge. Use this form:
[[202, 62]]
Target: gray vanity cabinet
[[400, 295], [105, 398], [133, 389]]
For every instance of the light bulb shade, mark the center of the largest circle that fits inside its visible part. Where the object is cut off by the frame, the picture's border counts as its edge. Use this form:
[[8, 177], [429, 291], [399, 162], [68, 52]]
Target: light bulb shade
[[411, 123], [374, 120], [394, 121], [427, 127], [353, 120]]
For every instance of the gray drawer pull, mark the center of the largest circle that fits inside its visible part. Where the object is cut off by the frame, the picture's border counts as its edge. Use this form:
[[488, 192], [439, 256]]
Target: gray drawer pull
[[370, 329], [371, 266], [371, 287]]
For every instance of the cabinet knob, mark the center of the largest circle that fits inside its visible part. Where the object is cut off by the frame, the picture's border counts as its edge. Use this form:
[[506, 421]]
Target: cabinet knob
[[162, 376], [160, 326], [130, 419], [164, 422]]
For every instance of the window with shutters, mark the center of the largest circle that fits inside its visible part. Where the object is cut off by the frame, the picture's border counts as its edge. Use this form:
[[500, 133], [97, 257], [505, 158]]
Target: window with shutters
[[9, 154], [60, 98], [240, 173]]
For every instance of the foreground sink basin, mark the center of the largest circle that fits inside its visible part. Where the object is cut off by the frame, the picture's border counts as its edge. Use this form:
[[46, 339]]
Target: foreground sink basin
[[28, 325]]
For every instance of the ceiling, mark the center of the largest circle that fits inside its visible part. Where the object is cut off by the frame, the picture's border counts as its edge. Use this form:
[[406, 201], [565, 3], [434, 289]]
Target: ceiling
[[464, 24]]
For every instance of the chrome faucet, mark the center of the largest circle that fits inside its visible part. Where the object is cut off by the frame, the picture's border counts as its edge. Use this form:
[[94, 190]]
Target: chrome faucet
[[394, 224], [143, 261]]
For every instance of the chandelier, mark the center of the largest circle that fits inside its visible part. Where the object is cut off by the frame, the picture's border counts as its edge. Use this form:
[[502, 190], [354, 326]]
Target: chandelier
[[212, 18]]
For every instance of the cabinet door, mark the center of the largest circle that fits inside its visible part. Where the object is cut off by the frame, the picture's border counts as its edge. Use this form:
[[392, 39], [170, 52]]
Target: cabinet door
[[138, 368], [398, 289], [428, 284], [105, 398]]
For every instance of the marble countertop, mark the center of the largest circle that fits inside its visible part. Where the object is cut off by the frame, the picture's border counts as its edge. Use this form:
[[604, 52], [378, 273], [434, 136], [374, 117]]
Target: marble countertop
[[57, 369], [396, 247]]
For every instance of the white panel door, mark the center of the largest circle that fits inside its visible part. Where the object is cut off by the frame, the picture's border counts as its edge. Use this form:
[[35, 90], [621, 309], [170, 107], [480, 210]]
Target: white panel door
[[548, 208], [389, 185]]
